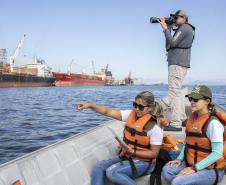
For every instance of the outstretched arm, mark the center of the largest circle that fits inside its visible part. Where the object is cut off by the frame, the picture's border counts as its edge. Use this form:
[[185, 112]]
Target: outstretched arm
[[115, 114]]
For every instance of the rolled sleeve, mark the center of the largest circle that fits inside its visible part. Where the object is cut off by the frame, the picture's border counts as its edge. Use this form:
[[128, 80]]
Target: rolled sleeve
[[156, 135], [125, 114]]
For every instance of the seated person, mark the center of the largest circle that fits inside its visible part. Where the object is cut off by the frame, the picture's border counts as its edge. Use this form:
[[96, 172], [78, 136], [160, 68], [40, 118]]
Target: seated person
[[142, 134], [201, 160]]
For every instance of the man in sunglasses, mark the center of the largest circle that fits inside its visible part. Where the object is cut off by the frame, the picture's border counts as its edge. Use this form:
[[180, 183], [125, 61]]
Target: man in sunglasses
[[178, 47]]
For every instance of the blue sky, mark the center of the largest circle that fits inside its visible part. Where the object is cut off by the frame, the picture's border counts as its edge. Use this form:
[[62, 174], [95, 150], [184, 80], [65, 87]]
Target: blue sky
[[115, 32]]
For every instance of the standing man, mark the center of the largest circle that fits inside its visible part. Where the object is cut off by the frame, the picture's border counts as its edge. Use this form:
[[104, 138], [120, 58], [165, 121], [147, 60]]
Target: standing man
[[178, 47]]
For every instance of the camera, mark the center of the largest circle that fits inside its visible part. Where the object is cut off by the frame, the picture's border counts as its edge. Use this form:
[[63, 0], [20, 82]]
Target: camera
[[169, 20]]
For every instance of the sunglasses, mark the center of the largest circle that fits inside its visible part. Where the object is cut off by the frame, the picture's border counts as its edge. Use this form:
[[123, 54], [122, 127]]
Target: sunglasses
[[177, 16], [139, 106], [195, 100]]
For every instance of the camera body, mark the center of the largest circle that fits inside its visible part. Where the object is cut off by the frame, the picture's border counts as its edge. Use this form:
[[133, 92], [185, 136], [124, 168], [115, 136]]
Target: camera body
[[169, 20]]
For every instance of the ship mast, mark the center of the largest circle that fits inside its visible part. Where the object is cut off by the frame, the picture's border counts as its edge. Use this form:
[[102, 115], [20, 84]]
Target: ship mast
[[12, 58], [94, 71], [69, 67]]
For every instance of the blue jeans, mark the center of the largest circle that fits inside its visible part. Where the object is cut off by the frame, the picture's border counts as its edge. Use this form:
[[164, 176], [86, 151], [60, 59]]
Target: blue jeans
[[118, 172], [202, 177]]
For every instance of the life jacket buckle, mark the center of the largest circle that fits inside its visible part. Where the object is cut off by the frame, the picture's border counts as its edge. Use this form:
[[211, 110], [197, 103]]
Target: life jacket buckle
[[132, 131]]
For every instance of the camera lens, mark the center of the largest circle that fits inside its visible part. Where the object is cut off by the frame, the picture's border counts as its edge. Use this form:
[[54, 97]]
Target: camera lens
[[154, 20]]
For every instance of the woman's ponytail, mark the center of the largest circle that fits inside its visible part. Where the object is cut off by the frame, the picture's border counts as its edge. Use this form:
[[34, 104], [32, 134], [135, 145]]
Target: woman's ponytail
[[157, 111], [212, 107]]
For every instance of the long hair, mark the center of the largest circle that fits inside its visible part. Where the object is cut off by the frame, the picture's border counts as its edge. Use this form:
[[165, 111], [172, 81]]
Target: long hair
[[212, 108], [156, 108]]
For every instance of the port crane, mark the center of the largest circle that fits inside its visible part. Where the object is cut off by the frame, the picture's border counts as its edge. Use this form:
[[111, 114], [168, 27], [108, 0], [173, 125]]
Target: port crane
[[129, 80], [13, 57]]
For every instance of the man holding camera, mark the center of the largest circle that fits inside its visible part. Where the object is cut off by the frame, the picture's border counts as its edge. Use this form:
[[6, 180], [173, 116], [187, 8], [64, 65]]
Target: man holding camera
[[178, 47]]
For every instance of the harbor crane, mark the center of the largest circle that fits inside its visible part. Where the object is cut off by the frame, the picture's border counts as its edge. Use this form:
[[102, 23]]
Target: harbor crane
[[13, 57]]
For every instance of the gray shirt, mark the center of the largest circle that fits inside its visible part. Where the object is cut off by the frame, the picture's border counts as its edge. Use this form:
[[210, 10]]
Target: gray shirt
[[183, 37]]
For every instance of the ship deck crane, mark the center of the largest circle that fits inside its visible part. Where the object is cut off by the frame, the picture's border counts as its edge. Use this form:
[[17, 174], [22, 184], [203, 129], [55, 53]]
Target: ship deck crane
[[94, 71], [13, 57], [69, 67], [106, 68]]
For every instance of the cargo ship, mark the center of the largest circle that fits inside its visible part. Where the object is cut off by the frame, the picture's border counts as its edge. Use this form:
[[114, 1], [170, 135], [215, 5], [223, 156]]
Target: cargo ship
[[82, 79], [30, 75], [36, 74], [73, 79]]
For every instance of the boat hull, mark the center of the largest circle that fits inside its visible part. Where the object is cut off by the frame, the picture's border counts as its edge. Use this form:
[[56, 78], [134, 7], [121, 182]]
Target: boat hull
[[63, 79], [18, 80]]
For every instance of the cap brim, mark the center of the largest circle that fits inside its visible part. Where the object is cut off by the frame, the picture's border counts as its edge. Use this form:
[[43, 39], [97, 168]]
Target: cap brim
[[194, 95]]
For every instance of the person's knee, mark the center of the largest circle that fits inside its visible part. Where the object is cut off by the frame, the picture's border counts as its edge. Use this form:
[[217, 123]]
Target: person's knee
[[169, 172], [166, 168], [100, 165], [165, 171], [177, 181], [111, 173]]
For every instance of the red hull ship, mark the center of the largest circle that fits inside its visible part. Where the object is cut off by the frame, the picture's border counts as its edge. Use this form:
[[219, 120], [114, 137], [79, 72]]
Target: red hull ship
[[65, 79]]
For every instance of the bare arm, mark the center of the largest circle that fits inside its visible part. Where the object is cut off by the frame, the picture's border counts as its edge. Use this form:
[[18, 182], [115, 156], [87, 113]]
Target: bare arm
[[149, 154], [115, 114]]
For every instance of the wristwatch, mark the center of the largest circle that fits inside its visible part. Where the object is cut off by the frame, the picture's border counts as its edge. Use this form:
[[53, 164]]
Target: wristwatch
[[133, 154], [194, 168]]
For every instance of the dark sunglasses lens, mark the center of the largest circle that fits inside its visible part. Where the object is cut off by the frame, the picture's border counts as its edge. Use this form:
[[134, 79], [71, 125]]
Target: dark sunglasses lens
[[134, 105], [177, 16], [140, 107], [192, 99]]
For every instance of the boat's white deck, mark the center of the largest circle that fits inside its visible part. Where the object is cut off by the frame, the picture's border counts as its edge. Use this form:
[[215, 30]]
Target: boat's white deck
[[66, 163]]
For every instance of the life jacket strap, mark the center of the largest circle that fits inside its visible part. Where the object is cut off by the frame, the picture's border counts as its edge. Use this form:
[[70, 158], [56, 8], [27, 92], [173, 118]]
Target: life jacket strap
[[217, 176], [135, 144], [196, 153], [198, 148], [132, 165], [195, 134], [133, 132], [162, 158]]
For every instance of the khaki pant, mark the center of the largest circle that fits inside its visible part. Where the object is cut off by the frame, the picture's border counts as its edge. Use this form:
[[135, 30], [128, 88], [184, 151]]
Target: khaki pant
[[176, 75]]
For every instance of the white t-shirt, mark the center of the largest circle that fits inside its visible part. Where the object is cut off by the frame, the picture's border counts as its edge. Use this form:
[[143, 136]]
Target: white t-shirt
[[156, 133], [215, 131]]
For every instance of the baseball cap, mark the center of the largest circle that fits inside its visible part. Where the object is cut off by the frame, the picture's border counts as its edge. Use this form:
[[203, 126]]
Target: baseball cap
[[181, 13], [200, 91]]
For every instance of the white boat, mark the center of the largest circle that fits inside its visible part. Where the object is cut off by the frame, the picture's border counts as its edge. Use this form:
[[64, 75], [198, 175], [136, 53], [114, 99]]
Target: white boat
[[70, 162]]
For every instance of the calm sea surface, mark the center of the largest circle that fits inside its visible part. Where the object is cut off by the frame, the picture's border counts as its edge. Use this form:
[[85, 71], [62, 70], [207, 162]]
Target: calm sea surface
[[31, 118]]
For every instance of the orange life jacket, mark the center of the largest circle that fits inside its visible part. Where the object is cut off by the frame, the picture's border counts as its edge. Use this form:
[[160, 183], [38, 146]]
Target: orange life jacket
[[17, 183], [135, 135], [198, 145]]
